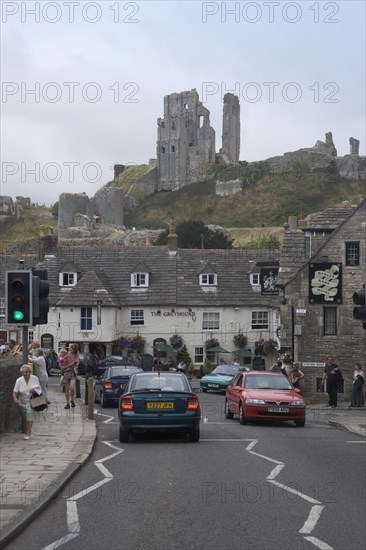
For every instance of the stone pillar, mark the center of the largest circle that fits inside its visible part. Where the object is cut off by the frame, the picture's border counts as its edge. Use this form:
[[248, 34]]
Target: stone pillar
[[231, 128], [354, 146]]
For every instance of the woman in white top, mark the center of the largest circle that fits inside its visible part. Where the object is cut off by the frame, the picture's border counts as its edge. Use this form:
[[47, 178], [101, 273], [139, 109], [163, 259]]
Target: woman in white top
[[39, 363], [26, 386]]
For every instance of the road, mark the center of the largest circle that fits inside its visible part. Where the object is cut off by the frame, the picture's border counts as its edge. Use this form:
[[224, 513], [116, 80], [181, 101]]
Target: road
[[256, 487]]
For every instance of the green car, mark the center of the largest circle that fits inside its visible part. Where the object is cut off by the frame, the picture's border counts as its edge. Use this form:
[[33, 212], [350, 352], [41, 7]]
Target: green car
[[220, 377]]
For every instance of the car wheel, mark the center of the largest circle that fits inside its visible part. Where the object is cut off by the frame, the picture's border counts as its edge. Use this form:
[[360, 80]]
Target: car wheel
[[228, 414], [194, 435], [300, 423], [242, 418], [104, 402], [204, 390], [123, 435]]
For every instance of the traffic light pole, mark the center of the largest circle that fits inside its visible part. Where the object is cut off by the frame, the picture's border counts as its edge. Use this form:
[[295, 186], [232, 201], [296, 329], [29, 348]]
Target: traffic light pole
[[25, 345]]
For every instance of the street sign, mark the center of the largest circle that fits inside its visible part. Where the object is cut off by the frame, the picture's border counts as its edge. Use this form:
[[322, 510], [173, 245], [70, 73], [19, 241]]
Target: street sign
[[312, 364]]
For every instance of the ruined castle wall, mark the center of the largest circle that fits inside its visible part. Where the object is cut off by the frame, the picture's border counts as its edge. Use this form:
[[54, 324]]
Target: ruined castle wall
[[352, 167], [71, 204], [108, 205]]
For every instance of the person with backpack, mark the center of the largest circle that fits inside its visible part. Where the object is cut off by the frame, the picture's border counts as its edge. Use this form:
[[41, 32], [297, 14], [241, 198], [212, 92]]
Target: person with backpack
[[333, 375], [357, 386]]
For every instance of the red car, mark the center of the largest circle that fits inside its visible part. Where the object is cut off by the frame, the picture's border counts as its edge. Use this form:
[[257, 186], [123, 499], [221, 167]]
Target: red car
[[262, 395]]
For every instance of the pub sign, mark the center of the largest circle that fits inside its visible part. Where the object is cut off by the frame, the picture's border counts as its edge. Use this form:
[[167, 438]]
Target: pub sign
[[325, 283], [269, 280]]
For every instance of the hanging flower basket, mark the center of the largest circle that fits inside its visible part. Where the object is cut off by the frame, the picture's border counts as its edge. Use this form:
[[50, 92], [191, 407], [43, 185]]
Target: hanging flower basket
[[240, 340], [124, 342], [265, 347], [138, 343], [176, 341], [211, 343]]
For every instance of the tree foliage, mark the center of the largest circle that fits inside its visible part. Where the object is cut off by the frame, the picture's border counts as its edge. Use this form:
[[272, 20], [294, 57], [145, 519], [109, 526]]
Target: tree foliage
[[195, 234]]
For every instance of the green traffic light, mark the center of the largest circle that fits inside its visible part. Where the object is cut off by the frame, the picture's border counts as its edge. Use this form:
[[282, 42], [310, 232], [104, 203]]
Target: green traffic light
[[18, 316]]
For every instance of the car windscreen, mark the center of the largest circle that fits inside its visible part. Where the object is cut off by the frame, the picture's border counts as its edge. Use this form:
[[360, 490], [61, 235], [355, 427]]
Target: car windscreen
[[226, 370], [164, 382], [263, 382]]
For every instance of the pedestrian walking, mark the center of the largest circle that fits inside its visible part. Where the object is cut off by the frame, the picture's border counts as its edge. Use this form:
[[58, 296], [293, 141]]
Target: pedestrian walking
[[357, 386], [25, 387], [69, 374], [40, 370], [296, 376], [332, 374]]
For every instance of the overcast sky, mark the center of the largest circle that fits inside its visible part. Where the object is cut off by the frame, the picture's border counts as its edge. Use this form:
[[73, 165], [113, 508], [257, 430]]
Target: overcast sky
[[83, 82]]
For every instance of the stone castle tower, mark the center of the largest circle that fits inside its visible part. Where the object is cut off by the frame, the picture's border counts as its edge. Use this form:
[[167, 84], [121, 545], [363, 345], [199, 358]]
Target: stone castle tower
[[230, 129], [186, 141]]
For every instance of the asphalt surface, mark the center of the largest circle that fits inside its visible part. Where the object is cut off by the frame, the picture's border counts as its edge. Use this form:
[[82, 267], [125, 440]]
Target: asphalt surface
[[33, 472]]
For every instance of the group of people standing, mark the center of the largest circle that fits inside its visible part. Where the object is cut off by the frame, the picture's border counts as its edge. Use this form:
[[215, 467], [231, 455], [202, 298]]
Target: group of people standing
[[29, 385]]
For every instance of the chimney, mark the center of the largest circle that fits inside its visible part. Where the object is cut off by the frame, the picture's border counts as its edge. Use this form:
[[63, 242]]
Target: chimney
[[147, 240], [172, 239], [292, 222]]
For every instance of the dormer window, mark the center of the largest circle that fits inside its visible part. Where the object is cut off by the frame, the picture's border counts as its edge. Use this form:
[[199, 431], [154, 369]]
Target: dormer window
[[255, 279], [139, 280], [208, 279], [67, 279]]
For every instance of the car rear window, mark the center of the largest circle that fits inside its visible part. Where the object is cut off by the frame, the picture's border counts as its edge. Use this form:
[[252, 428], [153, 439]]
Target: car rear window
[[163, 382], [122, 371]]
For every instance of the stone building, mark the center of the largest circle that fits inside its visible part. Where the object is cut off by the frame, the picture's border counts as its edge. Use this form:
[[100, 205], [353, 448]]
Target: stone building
[[321, 266]]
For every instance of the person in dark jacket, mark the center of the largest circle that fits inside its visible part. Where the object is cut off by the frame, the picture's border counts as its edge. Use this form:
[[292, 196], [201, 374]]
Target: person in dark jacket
[[332, 375]]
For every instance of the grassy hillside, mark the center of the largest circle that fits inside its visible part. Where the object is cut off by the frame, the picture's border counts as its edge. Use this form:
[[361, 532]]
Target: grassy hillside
[[267, 202], [260, 209]]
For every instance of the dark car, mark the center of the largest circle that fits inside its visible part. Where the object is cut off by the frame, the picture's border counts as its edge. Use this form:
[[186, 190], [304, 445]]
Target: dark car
[[88, 364], [51, 361], [111, 360], [264, 396], [159, 401], [109, 387]]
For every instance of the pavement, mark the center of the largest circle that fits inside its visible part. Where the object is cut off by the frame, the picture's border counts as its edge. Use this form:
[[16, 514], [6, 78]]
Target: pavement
[[33, 472]]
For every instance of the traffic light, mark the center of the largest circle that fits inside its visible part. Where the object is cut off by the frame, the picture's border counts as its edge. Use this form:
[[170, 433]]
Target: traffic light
[[18, 297], [41, 289], [359, 312]]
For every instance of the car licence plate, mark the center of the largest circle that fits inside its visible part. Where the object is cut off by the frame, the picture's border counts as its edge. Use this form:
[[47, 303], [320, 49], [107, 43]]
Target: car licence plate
[[213, 385], [278, 409], [160, 405]]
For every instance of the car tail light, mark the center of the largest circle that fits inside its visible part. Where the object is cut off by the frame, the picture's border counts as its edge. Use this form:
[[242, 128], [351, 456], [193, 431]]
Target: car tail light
[[108, 385], [127, 404], [193, 403]]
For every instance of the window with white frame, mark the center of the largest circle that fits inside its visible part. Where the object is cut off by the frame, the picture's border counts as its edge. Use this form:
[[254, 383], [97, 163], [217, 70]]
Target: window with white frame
[[330, 321], [208, 279], [198, 355], [255, 279], [137, 317], [211, 320], [259, 319], [67, 279], [139, 280], [2, 307], [86, 318]]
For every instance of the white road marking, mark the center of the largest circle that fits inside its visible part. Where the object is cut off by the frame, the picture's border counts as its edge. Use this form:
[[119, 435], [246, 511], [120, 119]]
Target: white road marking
[[90, 489], [60, 542], [319, 543], [73, 524], [291, 490], [356, 442], [275, 471], [72, 517], [312, 520], [266, 458]]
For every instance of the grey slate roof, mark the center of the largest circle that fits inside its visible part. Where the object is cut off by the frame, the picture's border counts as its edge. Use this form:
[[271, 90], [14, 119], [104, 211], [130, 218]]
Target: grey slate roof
[[292, 255], [174, 279], [330, 218]]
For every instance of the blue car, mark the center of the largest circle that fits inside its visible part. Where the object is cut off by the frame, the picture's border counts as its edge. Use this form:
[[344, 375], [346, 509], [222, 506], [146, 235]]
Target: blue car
[[219, 379], [159, 401], [110, 386]]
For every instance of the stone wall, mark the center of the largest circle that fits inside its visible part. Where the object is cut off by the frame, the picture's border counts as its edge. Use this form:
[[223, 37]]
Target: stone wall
[[224, 188], [231, 128], [10, 417]]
